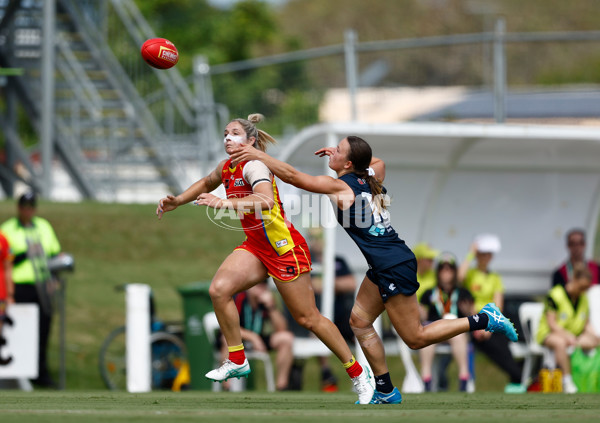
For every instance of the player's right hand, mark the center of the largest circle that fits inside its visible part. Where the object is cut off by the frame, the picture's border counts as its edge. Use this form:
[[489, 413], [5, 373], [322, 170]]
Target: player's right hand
[[166, 204], [326, 151]]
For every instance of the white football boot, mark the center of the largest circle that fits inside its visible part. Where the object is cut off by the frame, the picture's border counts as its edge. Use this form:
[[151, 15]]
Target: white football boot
[[228, 370]]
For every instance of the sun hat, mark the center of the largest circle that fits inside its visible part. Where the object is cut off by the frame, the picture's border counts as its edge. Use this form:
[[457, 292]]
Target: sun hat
[[424, 251], [488, 243]]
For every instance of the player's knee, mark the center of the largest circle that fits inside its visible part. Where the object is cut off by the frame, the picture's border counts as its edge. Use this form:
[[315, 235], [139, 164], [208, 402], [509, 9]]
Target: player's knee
[[218, 290], [360, 318], [357, 323], [307, 321]]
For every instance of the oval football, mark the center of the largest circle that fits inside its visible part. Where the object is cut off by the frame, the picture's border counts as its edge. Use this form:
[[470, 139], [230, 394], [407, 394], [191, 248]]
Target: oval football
[[160, 53]]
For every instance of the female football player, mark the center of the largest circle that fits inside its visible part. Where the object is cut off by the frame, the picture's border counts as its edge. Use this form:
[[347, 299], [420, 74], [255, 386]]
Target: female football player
[[272, 247], [390, 284]]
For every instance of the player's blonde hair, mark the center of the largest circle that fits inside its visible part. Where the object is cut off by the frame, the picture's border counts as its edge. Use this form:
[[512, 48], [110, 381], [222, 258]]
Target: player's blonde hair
[[261, 137]]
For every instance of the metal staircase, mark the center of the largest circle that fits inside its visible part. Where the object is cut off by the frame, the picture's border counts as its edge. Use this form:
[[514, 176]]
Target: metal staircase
[[120, 126]]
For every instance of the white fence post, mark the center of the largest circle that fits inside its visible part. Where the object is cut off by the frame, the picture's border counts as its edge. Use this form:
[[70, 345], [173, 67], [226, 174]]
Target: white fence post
[[137, 333]]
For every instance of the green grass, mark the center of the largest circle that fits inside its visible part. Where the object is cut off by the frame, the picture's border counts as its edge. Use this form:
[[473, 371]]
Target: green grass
[[115, 244], [253, 407]]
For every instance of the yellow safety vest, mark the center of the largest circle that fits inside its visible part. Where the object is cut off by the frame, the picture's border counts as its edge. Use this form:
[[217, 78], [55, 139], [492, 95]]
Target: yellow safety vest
[[31, 247], [483, 286], [573, 320], [426, 281]]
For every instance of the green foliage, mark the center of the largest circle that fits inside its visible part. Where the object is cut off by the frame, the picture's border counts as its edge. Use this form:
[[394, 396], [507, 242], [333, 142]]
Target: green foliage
[[240, 33], [198, 28], [318, 23], [253, 28]]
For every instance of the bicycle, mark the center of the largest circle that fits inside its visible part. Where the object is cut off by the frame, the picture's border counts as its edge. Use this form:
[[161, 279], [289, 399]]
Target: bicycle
[[167, 350]]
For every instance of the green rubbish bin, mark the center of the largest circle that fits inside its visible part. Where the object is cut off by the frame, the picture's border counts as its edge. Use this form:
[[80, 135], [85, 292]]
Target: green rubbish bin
[[196, 303]]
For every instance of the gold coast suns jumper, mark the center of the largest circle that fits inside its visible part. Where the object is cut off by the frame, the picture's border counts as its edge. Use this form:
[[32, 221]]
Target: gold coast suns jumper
[[269, 235]]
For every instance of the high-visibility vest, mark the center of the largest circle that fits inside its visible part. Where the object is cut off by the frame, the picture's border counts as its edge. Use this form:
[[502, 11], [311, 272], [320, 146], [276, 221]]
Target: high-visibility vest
[[567, 317], [31, 247]]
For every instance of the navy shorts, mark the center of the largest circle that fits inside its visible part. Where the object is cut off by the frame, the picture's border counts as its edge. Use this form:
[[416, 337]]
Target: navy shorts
[[398, 279]]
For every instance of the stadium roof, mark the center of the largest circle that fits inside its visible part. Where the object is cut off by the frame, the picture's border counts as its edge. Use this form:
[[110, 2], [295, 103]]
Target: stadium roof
[[449, 182]]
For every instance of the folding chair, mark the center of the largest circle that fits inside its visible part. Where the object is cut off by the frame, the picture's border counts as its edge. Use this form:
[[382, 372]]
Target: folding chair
[[530, 314], [211, 326]]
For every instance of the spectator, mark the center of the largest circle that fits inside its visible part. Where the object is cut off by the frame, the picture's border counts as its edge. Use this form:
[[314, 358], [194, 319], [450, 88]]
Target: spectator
[[425, 273], [575, 239], [565, 322], [264, 327], [486, 286], [447, 301], [33, 242]]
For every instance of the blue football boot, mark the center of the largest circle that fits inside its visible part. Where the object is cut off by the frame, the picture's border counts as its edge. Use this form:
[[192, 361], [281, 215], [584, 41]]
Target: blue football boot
[[498, 323], [393, 397]]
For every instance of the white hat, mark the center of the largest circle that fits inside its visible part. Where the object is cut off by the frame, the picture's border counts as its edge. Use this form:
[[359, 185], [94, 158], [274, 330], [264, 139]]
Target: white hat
[[488, 243]]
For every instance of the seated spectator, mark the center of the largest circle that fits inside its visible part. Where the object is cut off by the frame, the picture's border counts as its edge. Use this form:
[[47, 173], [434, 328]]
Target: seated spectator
[[486, 286], [565, 322], [575, 239], [447, 301], [425, 273], [264, 328]]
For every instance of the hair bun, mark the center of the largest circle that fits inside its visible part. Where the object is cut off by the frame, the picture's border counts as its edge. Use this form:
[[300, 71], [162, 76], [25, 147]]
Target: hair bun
[[256, 118]]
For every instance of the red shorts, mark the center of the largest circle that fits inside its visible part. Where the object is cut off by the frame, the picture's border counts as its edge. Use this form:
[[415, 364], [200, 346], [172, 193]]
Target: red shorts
[[286, 267]]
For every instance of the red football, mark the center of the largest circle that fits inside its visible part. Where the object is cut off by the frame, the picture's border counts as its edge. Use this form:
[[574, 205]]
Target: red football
[[160, 53]]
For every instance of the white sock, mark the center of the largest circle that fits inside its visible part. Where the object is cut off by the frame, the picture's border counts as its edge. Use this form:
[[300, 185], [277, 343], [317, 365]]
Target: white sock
[[567, 379]]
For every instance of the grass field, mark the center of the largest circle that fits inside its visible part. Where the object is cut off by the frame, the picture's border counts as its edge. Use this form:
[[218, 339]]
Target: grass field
[[66, 407], [115, 244]]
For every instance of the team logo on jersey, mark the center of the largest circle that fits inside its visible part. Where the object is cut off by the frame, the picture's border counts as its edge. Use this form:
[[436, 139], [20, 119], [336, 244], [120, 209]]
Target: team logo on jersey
[[281, 243], [361, 181], [238, 182], [392, 287], [377, 230]]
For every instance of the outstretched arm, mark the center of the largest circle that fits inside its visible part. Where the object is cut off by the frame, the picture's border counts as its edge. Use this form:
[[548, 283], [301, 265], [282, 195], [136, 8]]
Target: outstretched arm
[[376, 164], [466, 264], [206, 184], [287, 173]]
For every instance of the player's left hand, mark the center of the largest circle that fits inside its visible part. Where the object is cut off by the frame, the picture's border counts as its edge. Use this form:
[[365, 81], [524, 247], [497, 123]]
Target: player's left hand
[[244, 153], [210, 200]]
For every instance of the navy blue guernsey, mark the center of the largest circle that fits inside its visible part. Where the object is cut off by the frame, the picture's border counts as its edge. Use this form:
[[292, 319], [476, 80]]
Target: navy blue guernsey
[[372, 231]]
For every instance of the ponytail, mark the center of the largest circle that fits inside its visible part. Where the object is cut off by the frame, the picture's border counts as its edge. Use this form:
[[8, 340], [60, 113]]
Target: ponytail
[[262, 138], [380, 198], [360, 155]]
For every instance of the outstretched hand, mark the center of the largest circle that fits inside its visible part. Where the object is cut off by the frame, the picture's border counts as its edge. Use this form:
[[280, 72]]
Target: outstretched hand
[[210, 200], [326, 151], [244, 153], [166, 204]]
